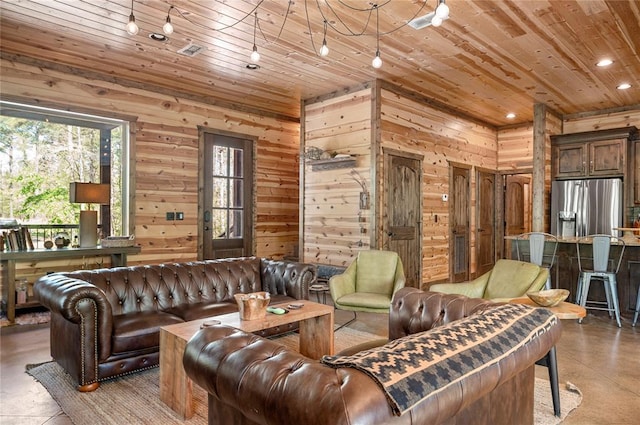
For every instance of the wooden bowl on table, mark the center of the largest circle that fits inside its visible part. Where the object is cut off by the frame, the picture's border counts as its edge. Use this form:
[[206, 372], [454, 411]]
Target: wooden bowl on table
[[548, 297]]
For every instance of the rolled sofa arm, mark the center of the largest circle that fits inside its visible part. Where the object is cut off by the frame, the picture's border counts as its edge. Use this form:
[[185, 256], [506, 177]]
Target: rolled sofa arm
[[287, 278], [82, 316]]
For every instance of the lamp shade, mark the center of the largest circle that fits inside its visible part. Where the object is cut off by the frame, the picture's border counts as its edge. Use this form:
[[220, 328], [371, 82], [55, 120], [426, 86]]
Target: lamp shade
[[89, 193]]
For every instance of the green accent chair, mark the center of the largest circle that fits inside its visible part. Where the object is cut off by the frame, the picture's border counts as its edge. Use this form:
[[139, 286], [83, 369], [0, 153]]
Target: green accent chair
[[508, 279], [368, 284]]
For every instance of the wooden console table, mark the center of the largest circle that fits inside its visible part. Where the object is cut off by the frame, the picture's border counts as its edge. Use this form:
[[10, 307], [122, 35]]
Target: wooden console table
[[8, 260]]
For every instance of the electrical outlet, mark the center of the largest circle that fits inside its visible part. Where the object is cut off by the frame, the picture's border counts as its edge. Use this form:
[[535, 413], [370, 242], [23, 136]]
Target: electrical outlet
[[445, 197], [171, 216], [180, 215]]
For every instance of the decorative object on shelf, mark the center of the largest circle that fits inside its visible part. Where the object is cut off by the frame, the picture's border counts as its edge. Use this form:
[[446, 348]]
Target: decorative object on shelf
[[252, 306], [118, 241], [89, 193], [548, 297], [21, 291], [48, 244], [62, 240]]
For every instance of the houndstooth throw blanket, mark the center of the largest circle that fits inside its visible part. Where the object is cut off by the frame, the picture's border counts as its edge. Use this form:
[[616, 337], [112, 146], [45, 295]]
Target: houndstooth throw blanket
[[415, 367]]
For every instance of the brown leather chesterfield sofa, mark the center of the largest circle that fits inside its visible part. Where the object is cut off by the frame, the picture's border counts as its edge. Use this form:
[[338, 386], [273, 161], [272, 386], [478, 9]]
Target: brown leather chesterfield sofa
[[105, 323], [251, 380]]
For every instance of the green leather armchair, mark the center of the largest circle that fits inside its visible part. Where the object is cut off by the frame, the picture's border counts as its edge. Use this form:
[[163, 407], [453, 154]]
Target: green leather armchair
[[368, 284], [508, 279]]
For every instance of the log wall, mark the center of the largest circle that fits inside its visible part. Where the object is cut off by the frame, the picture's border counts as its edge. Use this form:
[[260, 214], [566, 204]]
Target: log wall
[[166, 165]]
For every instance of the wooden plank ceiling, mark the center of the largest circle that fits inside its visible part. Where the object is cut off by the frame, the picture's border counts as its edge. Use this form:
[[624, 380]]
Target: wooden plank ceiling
[[487, 59]]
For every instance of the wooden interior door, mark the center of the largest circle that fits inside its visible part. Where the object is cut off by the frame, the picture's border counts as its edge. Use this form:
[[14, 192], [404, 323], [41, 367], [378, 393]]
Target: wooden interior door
[[459, 211], [486, 222], [517, 204], [402, 227]]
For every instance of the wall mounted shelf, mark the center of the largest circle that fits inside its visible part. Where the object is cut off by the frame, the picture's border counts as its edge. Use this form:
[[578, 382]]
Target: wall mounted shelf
[[332, 164]]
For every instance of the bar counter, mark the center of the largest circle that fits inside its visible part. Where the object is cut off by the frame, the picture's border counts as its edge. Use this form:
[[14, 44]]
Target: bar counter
[[565, 271]]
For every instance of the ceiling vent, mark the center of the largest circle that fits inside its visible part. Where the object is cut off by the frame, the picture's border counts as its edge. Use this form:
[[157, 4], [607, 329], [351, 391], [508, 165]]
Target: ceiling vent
[[191, 50], [423, 21]]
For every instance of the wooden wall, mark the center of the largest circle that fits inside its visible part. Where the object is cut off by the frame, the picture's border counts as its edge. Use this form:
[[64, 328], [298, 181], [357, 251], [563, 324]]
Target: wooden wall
[[333, 222], [578, 123], [166, 164], [410, 125]]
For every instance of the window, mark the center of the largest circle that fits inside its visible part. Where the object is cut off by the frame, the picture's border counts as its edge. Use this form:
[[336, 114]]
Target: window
[[43, 150], [227, 208]]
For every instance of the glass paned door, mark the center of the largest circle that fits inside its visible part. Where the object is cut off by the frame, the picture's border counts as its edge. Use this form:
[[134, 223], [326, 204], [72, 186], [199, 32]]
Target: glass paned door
[[228, 197]]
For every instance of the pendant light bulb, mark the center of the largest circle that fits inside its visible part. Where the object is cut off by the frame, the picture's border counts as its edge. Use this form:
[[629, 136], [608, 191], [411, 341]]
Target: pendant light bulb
[[436, 21], [442, 11], [377, 62], [167, 27], [255, 56], [132, 27], [324, 50]]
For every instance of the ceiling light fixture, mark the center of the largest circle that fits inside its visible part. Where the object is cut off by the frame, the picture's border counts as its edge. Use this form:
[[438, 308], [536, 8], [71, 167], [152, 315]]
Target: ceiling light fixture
[[510, 115], [624, 86], [604, 62], [442, 11], [377, 62], [132, 27], [324, 50], [167, 27], [255, 56]]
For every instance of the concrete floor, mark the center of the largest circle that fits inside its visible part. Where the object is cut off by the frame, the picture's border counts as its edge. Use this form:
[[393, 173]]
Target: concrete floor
[[602, 360]]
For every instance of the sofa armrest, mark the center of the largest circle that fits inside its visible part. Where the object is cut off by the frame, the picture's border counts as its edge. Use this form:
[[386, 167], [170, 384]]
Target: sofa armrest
[[287, 278], [413, 310], [81, 304]]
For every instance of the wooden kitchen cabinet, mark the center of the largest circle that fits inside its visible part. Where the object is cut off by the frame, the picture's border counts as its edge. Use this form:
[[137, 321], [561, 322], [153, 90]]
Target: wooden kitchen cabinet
[[600, 153], [604, 158]]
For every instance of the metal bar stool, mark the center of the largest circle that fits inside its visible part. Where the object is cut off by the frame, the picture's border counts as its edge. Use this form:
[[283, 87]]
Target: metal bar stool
[[635, 316], [601, 271], [542, 250]]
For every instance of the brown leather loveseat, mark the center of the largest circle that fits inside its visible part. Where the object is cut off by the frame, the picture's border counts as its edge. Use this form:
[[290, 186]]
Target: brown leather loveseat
[[105, 323], [479, 355]]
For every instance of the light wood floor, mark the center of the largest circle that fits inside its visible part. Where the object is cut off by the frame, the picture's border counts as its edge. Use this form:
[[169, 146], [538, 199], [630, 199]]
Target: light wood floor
[[600, 358]]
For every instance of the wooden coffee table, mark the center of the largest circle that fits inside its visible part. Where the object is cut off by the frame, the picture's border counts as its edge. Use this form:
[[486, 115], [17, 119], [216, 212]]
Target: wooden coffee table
[[563, 311], [176, 389]]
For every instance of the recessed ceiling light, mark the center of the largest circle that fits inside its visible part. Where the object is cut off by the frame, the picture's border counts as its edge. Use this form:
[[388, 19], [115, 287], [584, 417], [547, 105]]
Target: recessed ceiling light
[[604, 62], [253, 66], [510, 115], [624, 86], [158, 37]]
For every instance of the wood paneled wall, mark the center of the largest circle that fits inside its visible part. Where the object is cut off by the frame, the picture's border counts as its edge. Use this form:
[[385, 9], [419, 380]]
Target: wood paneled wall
[[442, 137], [578, 123], [335, 228], [166, 152]]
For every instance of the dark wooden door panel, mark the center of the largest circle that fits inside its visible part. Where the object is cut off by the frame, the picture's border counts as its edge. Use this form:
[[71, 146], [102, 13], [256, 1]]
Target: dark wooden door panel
[[403, 212], [485, 230], [459, 225]]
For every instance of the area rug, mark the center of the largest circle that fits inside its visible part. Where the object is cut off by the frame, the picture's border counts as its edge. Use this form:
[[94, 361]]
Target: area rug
[[135, 399]]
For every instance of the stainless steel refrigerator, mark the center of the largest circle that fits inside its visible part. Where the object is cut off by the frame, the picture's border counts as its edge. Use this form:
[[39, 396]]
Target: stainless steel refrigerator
[[586, 207]]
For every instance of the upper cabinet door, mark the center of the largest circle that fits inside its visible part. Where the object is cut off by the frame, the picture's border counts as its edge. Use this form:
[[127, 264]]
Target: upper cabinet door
[[570, 160], [606, 158]]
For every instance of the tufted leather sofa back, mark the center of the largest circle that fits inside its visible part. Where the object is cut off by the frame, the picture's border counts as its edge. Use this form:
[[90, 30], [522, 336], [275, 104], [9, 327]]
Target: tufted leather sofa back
[[164, 286], [413, 310]]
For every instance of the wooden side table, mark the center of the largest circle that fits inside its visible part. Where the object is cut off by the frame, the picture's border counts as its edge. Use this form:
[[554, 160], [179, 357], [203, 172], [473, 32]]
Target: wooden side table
[[563, 311]]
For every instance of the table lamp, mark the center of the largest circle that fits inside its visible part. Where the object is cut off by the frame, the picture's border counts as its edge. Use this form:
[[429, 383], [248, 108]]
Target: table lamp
[[89, 193]]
